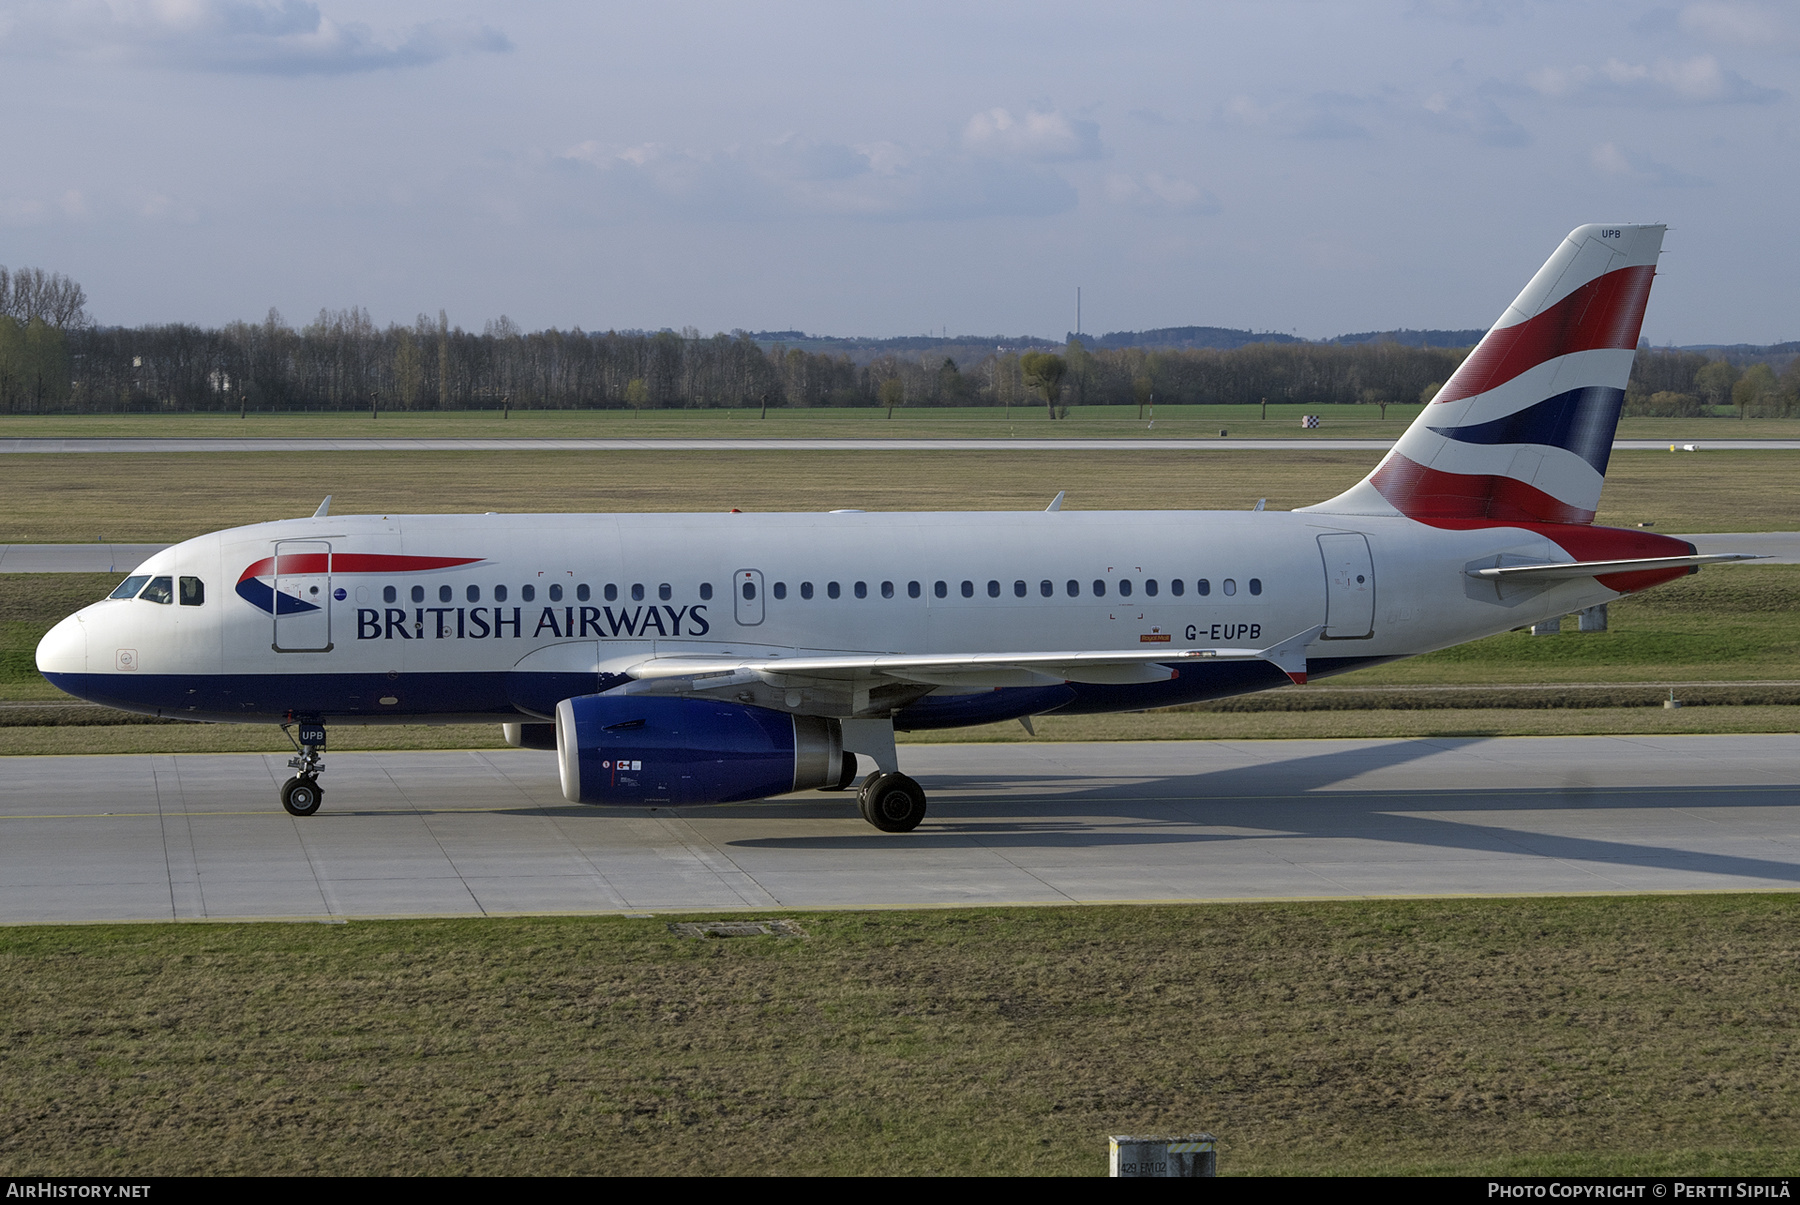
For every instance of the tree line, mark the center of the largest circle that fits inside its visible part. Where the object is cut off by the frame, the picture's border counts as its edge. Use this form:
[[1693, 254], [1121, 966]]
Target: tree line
[[52, 358]]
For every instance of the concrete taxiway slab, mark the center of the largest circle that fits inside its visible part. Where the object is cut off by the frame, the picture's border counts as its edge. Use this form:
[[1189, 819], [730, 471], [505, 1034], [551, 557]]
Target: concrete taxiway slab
[[178, 837]]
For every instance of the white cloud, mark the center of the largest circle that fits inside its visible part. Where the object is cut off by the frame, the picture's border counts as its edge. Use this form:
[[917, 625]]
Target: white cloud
[[1610, 159], [1696, 81], [1477, 116], [1752, 25], [1038, 135], [271, 37], [1155, 191], [1323, 116], [796, 177]]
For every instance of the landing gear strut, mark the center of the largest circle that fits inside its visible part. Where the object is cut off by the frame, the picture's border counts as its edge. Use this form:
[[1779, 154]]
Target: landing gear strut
[[301, 795], [893, 803]]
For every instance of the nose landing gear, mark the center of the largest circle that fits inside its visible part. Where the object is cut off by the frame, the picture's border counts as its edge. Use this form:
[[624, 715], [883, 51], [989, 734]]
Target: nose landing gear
[[301, 795]]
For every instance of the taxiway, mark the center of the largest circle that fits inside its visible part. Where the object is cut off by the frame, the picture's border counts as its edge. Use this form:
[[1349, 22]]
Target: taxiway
[[192, 837]]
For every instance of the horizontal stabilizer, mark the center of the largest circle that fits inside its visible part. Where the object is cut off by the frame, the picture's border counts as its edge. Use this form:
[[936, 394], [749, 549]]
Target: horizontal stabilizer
[[1558, 570]]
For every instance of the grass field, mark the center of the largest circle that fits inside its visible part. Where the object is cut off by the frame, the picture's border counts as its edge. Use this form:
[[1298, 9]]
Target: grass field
[[165, 497], [1084, 422], [1586, 1036]]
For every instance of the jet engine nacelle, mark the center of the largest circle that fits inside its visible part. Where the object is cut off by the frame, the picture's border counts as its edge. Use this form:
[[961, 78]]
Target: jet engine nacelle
[[646, 749]]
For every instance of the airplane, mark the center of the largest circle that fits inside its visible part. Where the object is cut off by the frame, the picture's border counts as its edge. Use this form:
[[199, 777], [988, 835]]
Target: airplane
[[682, 659]]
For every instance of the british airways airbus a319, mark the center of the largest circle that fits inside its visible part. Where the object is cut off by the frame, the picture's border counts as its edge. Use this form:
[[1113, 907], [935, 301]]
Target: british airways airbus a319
[[711, 658]]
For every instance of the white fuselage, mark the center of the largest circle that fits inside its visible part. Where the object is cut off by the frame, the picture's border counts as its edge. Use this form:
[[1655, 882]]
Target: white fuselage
[[543, 600]]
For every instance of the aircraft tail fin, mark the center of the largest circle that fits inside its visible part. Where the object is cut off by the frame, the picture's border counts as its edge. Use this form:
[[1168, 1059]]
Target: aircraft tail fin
[[1522, 431]]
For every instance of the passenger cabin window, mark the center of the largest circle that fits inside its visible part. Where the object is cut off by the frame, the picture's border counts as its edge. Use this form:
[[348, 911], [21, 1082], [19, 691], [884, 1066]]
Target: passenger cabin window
[[1099, 587], [612, 593], [666, 592], [1074, 588], [130, 586], [418, 593], [831, 590], [1177, 587], [528, 592], [805, 590], [1019, 589], [705, 592], [862, 589], [940, 589], [1150, 586], [779, 589], [968, 589], [1202, 587], [913, 590], [887, 589], [1125, 587], [389, 594], [637, 592], [499, 593], [1230, 585], [160, 590], [444, 594], [555, 592], [749, 590], [582, 593], [193, 592], [1256, 585], [473, 593]]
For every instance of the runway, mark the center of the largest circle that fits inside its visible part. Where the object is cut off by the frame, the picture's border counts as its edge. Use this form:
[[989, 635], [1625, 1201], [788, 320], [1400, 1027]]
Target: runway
[[1123, 444], [188, 837]]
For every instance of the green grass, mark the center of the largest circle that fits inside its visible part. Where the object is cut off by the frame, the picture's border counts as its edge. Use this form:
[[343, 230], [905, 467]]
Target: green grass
[[992, 422], [1584, 1036]]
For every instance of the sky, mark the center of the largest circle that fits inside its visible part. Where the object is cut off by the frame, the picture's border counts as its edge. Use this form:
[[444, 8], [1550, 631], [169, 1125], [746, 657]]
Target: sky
[[897, 169]]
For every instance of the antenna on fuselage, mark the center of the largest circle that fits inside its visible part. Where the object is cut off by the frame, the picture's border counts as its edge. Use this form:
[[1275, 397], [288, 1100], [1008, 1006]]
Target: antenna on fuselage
[[324, 508], [1056, 502]]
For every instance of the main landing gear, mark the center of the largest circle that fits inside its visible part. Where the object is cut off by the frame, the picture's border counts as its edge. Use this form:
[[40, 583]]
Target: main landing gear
[[893, 803], [301, 795]]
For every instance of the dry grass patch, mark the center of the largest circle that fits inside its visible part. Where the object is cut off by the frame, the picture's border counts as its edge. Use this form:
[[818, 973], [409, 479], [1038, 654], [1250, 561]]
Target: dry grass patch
[[158, 497]]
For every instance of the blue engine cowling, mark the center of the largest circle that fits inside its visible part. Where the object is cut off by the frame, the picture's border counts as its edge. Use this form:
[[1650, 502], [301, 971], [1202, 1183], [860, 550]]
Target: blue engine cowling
[[646, 749]]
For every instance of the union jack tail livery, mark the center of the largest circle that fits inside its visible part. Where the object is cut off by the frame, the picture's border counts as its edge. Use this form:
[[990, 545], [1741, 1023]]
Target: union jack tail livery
[[1521, 433]]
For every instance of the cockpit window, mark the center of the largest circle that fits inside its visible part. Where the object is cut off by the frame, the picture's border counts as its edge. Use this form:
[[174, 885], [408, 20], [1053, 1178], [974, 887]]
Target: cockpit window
[[130, 586], [160, 590], [193, 592]]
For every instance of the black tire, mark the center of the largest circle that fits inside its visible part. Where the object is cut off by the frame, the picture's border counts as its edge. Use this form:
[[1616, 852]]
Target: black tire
[[301, 796], [862, 796], [893, 803]]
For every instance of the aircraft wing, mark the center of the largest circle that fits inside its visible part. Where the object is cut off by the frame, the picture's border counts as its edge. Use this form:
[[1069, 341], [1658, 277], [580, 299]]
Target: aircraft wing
[[1554, 570], [965, 669]]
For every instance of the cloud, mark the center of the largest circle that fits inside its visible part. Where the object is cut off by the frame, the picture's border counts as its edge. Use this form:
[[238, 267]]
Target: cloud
[[1155, 191], [1039, 136], [1750, 25], [796, 177], [1476, 117], [1696, 81], [1322, 116], [1613, 160], [268, 37]]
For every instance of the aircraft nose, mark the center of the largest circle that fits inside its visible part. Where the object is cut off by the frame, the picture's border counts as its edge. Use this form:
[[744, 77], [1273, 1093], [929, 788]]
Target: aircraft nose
[[63, 650]]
